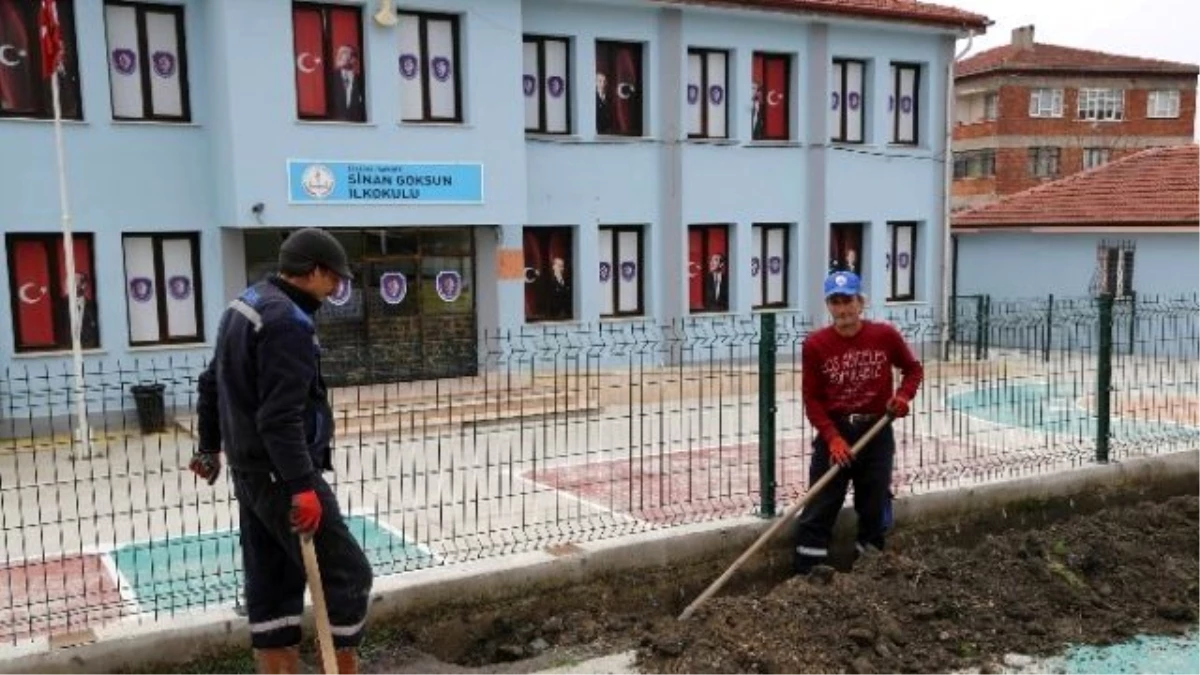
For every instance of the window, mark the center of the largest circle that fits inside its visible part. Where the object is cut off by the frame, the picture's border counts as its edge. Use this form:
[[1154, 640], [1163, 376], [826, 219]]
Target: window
[[846, 122], [147, 64], [903, 104], [901, 263], [708, 268], [546, 84], [1101, 104], [430, 81], [1043, 162], [549, 269], [975, 164], [162, 288], [621, 268], [708, 73], [618, 88], [1163, 103], [1115, 261], [1094, 157], [23, 90], [1045, 103], [40, 295], [991, 105], [845, 247], [769, 264], [770, 102], [330, 82]]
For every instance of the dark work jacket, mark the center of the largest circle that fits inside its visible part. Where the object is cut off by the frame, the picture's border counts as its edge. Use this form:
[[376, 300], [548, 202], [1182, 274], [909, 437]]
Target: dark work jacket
[[262, 398]]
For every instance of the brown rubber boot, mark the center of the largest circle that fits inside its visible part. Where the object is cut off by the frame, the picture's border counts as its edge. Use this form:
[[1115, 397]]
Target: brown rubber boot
[[280, 660], [347, 661]]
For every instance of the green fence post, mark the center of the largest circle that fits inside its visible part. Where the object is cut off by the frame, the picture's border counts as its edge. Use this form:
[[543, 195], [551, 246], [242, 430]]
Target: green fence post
[[1049, 328], [766, 414], [1132, 319], [987, 325], [1104, 378], [980, 326]]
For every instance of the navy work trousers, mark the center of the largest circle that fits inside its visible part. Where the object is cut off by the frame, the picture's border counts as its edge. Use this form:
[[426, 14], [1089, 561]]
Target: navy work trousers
[[871, 474], [274, 568]]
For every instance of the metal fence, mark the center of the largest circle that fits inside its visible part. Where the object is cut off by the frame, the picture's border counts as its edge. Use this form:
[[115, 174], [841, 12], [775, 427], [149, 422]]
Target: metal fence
[[569, 433]]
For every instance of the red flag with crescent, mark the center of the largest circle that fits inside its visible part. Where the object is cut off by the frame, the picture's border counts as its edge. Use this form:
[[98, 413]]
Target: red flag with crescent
[[51, 37], [35, 306], [310, 57]]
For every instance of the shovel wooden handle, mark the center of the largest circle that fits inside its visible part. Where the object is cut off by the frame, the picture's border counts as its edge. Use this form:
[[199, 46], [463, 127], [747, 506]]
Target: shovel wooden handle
[[320, 613], [787, 517]]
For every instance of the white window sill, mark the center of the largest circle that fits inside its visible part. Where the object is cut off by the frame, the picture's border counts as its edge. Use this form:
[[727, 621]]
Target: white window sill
[[334, 123], [772, 310], [169, 347], [710, 141], [620, 320], [552, 138], [58, 354], [713, 315], [43, 120], [906, 303], [773, 144], [416, 124], [153, 123], [601, 138], [557, 323]]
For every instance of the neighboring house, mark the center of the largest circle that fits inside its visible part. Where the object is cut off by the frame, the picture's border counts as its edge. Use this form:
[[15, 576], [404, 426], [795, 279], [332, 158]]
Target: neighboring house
[[1127, 228], [487, 163], [1029, 112]]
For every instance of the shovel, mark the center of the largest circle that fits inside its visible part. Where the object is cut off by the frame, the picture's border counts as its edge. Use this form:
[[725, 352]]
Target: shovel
[[787, 517]]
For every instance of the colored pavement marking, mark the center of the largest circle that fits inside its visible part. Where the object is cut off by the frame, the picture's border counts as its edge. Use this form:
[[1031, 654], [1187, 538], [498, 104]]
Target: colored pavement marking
[[199, 571], [56, 596]]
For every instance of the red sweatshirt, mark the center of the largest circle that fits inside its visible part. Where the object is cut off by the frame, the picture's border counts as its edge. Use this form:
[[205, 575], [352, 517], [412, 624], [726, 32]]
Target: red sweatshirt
[[854, 375]]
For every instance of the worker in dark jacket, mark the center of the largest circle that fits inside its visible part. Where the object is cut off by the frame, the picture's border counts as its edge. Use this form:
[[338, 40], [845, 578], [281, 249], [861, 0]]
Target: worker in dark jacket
[[263, 401]]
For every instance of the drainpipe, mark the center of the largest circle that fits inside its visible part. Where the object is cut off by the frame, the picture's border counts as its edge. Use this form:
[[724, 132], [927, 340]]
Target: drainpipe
[[947, 181]]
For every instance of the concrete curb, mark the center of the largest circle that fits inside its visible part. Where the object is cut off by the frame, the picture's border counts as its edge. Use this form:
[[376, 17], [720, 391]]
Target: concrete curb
[[184, 638]]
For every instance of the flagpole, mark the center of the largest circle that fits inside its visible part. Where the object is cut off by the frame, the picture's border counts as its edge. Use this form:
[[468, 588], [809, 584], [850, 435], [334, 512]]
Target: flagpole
[[83, 434]]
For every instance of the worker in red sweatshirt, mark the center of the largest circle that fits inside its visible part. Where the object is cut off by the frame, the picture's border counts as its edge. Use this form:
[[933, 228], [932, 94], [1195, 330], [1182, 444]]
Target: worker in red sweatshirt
[[848, 386]]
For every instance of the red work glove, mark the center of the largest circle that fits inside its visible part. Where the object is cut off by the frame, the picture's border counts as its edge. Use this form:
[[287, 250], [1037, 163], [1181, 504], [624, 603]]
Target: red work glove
[[839, 451], [306, 512], [898, 407], [206, 464]]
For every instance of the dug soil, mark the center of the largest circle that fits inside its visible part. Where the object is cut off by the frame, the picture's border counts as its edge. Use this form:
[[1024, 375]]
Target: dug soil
[[938, 600]]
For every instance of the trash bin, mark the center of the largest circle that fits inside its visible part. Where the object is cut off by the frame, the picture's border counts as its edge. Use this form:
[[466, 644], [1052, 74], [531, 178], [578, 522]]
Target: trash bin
[[150, 407]]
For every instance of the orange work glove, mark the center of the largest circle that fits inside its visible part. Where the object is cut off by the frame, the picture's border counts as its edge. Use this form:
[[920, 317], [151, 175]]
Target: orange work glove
[[898, 407], [306, 512], [839, 451]]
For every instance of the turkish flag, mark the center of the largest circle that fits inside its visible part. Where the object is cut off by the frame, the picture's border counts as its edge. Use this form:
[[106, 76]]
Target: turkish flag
[[35, 306], [51, 37], [310, 66], [16, 69], [534, 260], [628, 117], [775, 98], [695, 269], [83, 267]]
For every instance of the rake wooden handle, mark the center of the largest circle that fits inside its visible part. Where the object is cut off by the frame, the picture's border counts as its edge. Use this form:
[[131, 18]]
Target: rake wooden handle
[[313, 571], [787, 517]]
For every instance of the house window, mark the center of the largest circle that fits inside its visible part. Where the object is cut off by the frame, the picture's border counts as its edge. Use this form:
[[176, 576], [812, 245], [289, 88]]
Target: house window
[[147, 65], [1043, 162], [975, 164], [1045, 102], [708, 268], [707, 91], [1094, 157], [770, 100], [849, 101], [621, 266], [40, 296], [1163, 103], [1101, 104], [845, 247], [618, 88], [23, 90], [769, 265], [904, 103], [330, 77], [991, 105], [430, 80], [546, 83], [162, 288], [1115, 261], [901, 263], [549, 270]]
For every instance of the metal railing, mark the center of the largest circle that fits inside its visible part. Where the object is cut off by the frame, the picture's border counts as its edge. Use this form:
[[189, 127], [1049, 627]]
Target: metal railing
[[567, 434]]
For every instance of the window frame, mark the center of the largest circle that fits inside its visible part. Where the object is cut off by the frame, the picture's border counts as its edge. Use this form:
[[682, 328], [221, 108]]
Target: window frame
[[548, 231], [1055, 108], [984, 159], [63, 340], [1052, 153], [766, 57], [141, 9], [894, 233], [991, 106], [897, 68], [640, 132], [1104, 153], [1101, 104], [568, 87], [616, 230], [705, 254], [327, 57], [839, 65], [1174, 101], [40, 86], [156, 244], [424, 68], [1116, 269], [706, 102], [842, 232], [764, 228]]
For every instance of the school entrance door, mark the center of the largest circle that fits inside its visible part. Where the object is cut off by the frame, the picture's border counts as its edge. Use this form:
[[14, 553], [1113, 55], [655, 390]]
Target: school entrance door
[[408, 315]]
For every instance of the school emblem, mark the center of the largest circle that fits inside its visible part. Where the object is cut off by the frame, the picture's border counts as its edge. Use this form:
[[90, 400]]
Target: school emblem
[[605, 272], [693, 94], [775, 265], [141, 289], [408, 66], [755, 264], [393, 287], [318, 181], [441, 68], [628, 270], [449, 285], [341, 295], [180, 287], [716, 94], [529, 84], [557, 86], [124, 60], [164, 63]]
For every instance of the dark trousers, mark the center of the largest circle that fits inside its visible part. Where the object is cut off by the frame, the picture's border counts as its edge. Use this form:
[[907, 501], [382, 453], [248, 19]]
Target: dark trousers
[[274, 569], [871, 474]]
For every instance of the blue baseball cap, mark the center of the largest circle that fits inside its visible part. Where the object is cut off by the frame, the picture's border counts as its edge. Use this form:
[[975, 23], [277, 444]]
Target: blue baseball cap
[[842, 283]]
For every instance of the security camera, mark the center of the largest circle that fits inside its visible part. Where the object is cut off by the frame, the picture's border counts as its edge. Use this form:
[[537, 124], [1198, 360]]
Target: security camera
[[258, 208]]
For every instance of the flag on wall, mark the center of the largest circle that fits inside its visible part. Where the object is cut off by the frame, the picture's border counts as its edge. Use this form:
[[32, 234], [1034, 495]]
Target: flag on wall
[[309, 48], [628, 118], [35, 309], [51, 37], [16, 89]]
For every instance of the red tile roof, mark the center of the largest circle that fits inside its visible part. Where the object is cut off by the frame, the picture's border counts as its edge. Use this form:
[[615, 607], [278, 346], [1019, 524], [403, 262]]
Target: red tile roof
[[901, 10], [1053, 58], [1159, 186]]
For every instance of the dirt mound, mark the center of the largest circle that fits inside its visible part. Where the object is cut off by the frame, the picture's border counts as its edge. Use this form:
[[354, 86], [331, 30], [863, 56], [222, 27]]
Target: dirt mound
[[928, 606]]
